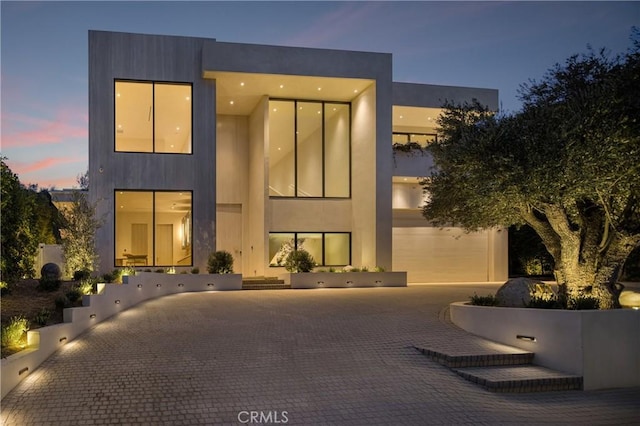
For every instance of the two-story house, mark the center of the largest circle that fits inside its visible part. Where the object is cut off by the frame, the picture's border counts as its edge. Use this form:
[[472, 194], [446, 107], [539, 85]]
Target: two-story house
[[197, 145]]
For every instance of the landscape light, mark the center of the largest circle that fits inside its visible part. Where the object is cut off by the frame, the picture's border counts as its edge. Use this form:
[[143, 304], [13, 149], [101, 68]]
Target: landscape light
[[62, 339], [117, 301], [527, 338]]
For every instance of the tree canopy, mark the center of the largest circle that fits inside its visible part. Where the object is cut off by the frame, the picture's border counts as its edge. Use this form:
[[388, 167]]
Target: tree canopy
[[567, 164]]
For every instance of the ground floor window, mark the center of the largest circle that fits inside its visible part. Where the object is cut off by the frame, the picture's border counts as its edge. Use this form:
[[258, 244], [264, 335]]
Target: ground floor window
[[152, 228], [327, 248]]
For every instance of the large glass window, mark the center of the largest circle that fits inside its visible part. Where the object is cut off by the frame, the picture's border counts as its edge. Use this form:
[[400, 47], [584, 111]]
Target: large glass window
[[153, 228], [309, 149], [153, 117], [327, 248]]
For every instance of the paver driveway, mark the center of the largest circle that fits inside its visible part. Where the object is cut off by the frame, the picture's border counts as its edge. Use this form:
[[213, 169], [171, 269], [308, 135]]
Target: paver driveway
[[339, 356]]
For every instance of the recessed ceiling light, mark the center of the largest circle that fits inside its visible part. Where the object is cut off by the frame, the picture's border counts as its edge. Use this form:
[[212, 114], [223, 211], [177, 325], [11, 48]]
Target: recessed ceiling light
[[299, 107], [279, 149], [242, 83], [187, 98], [334, 109], [355, 90], [429, 118], [119, 126], [275, 109], [405, 179], [319, 112], [230, 102], [118, 94], [171, 146], [401, 117], [319, 88], [282, 86], [177, 128]]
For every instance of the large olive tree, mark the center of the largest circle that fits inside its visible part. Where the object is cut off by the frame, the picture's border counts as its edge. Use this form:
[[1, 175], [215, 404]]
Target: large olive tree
[[567, 164]]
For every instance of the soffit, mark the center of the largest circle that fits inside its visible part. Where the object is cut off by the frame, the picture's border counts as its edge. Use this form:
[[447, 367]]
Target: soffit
[[239, 93]]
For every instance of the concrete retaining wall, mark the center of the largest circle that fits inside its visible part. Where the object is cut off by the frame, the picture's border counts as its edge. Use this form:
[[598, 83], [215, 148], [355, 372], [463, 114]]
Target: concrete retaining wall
[[112, 299], [345, 279], [601, 346]]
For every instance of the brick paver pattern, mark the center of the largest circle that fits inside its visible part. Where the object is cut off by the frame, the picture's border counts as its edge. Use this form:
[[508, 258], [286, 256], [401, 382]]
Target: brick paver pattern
[[331, 356]]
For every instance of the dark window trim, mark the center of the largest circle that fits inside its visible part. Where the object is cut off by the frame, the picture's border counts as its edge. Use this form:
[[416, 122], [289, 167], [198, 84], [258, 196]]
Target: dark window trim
[[295, 239], [153, 99], [153, 225], [295, 149], [408, 135]]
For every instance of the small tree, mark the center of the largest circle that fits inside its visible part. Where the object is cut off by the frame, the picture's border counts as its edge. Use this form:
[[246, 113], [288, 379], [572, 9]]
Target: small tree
[[18, 233], [220, 262], [566, 165], [299, 261], [78, 235]]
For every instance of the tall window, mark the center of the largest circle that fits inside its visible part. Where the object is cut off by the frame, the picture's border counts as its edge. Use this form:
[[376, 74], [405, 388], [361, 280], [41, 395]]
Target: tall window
[[152, 228], [327, 248], [153, 117], [309, 149]]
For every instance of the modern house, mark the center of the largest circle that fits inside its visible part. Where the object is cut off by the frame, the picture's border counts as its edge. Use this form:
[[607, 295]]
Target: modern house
[[197, 145]]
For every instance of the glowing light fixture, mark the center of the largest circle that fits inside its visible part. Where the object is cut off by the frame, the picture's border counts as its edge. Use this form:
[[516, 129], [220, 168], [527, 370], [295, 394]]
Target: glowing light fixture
[[242, 83], [180, 285], [139, 285], [92, 316], [62, 339], [527, 338], [117, 302], [230, 102], [210, 285], [158, 285]]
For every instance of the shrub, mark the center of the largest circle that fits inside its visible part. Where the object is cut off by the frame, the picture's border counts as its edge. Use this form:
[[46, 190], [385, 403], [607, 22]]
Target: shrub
[[195, 270], [544, 303], [73, 295], [299, 261], [220, 262], [42, 317], [159, 271], [108, 277], [13, 333], [85, 287], [378, 269], [62, 302], [583, 302], [488, 300], [364, 269], [49, 284], [81, 275], [4, 288]]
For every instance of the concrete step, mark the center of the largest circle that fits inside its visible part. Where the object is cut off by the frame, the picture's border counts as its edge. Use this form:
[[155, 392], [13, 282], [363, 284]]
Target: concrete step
[[264, 283], [522, 378], [494, 356]]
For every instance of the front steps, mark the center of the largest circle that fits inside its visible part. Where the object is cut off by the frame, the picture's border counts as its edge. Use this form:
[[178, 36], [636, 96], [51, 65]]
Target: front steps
[[264, 283], [504, 369]]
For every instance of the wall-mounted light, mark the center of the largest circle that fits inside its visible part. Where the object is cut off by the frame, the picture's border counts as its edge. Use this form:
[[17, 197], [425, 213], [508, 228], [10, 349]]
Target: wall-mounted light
[[320, 282], [62, 339], [180, 285], [527, 338], [210, 285], [158, 285], [378, 282], [92, 316], [139, 285], [349, 282], [22, 371], [117, 302]]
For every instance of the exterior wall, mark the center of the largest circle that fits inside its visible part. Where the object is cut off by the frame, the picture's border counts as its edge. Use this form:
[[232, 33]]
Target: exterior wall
[[433, 96], [258, 189], [159, 58], [232, 186]]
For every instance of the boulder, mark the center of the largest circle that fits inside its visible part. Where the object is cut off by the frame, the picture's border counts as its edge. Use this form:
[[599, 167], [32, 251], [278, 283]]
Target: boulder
[[517, 292], [629, 299]]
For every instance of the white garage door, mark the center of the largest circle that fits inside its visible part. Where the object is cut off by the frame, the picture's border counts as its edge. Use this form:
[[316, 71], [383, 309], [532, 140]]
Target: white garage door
[[433, 255]]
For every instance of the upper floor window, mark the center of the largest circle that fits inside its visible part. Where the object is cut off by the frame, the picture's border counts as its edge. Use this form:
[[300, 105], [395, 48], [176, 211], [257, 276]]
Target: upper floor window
[[153, 117], [309, 149], [415, 139]]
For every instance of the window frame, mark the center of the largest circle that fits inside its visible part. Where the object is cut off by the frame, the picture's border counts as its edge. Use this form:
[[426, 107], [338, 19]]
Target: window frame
[[409, 134], [153, 104], [153, 225], [323, 103], [323, 233]]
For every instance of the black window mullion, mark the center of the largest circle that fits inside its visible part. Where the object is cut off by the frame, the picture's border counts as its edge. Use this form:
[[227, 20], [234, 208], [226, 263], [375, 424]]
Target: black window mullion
[[153, 226], [295, 151], [324, 166], [153, 123]]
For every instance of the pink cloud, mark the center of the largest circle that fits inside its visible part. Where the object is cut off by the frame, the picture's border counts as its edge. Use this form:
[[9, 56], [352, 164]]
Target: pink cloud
[[49, 162], [22, 130]]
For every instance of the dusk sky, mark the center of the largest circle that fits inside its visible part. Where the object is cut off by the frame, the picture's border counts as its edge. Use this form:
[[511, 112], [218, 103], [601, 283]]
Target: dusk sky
[[499, 45]]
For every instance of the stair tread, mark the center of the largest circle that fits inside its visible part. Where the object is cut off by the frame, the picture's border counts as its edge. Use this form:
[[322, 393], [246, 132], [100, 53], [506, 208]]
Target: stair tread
[[514, 372], [492, 354]]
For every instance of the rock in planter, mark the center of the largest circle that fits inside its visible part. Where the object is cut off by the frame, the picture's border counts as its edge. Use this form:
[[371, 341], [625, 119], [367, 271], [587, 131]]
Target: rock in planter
[[517, 292]]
